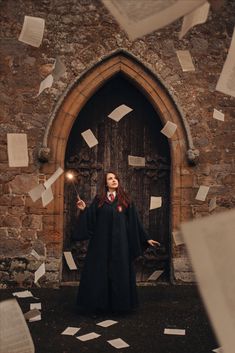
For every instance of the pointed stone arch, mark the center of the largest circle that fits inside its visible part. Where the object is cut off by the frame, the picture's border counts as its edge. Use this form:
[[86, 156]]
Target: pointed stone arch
[[74, 99]]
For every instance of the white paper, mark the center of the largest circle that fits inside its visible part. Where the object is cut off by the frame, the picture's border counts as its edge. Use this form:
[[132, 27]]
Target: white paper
[[88, 336], [212, 204], [135, 161], [40, 272], [218, 350], [202, 193], [36, 318], [210, 243], [32, 31], [17, 149], [118, 113], [35, 306], [70, 261], [218, 115], [155, 202], [174, 331], [138, 18], [226, 83], [31, 314], [46, 83], [24, 294], [194, 18], [118, 343], [59, 69], [35, 254], [169, 129], [90, 138], [36, 193], [15, 336], [107, 323], [155, 275], [47, 197], [59, 171], [178, 239], [70, 331], [185, 60]]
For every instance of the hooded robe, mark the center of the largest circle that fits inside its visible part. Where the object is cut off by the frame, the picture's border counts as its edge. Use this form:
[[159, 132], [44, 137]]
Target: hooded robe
[[116, 237]]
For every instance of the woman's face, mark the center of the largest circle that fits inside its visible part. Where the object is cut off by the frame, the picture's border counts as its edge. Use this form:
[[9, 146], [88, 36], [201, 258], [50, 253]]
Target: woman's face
[[112, 182]]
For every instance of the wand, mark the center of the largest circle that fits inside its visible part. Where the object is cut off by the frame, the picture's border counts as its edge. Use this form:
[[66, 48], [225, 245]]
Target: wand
[[71, 177]]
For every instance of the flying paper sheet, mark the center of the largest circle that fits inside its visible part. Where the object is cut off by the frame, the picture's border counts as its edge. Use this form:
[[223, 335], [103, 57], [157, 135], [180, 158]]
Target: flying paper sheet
[[107, 323], [35, 254], [59, 69], [32, 314], [47, 197], [35, 318], [40, 272], [178, 239], [185, 60], [118, 113], [15, 336], [155, 202], [194, 18], [36, 193], [46, 83], [218, 115], [70, 331], [90, 138], [226, 83], [136, 161], [169, 129], [138, 18], [35, 306], [174, 331], [155, 275], [210, 242], [70, 261], [24, 294], [118, 343], [88, 336], [212, 204], [202, 193], [17, 149], [218, 350], [53, 178], [32, 31]]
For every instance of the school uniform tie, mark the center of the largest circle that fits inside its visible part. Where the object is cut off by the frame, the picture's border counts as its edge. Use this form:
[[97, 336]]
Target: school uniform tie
[[111, 197]]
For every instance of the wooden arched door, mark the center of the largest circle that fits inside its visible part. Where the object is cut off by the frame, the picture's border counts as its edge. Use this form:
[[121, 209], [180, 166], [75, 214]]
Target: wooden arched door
[[137, 134]]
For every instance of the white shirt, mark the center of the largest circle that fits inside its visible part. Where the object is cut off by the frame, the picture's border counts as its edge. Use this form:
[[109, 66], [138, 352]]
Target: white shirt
[[109, 193]]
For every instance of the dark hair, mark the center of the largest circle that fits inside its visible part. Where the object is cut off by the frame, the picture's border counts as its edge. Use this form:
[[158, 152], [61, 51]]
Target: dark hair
[[123, 198]]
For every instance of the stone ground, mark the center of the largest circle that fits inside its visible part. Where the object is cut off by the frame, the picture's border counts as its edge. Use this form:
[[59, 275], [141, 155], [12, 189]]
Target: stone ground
[[161, 306]]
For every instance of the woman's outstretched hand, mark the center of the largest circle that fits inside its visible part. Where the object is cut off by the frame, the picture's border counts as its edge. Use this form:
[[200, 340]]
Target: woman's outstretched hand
[[153, 242], [81, 205]]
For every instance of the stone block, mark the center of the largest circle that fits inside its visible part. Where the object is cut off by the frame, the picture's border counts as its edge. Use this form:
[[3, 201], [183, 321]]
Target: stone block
[[11, 221], [23, 183]]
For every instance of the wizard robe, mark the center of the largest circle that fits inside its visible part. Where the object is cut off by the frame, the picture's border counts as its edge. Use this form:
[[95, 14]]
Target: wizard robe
[[116, 237]]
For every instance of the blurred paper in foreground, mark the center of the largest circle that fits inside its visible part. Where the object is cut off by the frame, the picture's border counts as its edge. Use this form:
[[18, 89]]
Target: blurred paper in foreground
[[211, 245], [14, 335], [140, 17]]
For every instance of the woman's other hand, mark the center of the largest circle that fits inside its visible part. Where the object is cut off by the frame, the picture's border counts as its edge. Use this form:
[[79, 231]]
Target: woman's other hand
[[153, 242], [81, 205]]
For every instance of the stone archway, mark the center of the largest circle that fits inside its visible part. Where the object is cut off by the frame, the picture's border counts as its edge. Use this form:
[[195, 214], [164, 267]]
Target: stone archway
[[62, 120]]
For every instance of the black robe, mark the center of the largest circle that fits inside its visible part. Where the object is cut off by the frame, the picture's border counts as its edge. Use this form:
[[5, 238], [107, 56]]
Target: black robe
[[116, 237]]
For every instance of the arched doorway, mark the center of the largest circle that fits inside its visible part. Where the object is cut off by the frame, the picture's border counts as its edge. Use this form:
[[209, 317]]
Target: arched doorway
[[136, 134]]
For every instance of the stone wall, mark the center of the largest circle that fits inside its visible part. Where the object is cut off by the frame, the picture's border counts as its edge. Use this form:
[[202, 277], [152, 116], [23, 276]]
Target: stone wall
[[82, 33]]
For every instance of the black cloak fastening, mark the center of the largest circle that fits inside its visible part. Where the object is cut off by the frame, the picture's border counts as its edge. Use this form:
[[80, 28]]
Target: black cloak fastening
[[116, 237]]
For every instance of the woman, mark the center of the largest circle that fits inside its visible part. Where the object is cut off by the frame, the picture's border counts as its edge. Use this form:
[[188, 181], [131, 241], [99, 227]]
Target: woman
[[116, 237]]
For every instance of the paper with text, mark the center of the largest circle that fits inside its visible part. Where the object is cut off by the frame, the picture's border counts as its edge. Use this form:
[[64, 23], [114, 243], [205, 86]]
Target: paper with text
[[135, 161], [139, 18], [174, 331], [226, 83], [155, 202], [210, 243], [106, 323], [118, 343], [36, 193], [15, 336], [185, 60], [90, 138], [169, 129], [70, 331], [17, 149], [40, 272], [32, 31], [88, 336], [70, 261], [194, 18], [202, 193], [47, 197], [218, 115], [118, 113]]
